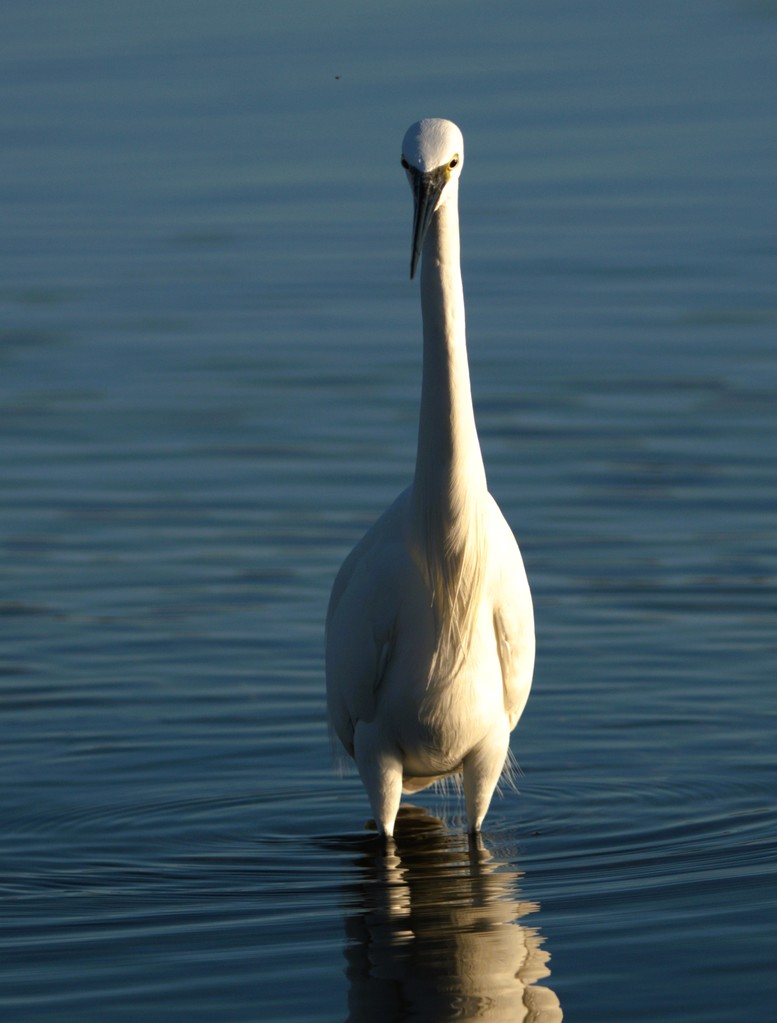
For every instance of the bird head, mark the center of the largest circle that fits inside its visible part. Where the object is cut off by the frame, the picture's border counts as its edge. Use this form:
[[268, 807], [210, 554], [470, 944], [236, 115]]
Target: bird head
[[432, 155]]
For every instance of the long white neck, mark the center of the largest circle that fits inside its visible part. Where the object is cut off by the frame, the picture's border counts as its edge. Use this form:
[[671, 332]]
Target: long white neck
[[449, 475]]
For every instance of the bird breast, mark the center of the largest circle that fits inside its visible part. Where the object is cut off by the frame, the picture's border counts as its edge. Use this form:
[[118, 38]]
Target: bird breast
[[438, 716]]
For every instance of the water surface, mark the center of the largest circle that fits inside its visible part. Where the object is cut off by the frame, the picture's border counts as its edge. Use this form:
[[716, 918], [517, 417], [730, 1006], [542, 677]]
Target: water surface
[[210, 366]]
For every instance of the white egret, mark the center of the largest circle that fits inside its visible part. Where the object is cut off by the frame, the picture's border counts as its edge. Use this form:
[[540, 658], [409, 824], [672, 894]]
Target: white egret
[[430, 627]]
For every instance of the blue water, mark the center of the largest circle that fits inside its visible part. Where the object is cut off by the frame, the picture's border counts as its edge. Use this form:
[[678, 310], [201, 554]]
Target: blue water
[[209, 373]]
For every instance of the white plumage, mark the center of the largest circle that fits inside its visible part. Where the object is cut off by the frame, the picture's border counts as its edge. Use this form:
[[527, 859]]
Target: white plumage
[[430, 628]]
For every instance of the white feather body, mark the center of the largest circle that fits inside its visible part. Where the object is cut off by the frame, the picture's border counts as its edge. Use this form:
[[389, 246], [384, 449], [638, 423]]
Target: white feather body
[[430, 633]]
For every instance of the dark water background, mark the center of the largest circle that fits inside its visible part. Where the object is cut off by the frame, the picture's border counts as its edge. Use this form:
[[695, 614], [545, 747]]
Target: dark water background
[[209, 373]]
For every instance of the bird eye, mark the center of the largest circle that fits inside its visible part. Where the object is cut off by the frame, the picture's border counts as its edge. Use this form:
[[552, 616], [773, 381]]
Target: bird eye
[[454, 162], [404, 163]]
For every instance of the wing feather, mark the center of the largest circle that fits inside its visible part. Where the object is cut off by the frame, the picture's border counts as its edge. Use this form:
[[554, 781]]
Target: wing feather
[[360, 623], [513, 618]]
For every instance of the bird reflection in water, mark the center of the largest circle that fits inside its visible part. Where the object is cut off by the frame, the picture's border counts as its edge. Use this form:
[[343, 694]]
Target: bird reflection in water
[[433, 934]]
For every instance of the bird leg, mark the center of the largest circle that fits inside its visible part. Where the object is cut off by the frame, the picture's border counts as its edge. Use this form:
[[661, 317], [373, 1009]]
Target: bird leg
[[380, 768], [482, 769]]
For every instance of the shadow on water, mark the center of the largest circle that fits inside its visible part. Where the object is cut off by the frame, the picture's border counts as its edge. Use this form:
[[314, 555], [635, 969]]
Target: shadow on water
[[433, 933]]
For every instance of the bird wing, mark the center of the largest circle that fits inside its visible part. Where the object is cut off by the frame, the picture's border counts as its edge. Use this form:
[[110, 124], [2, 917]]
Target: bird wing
[[360, 622], [513, 617]]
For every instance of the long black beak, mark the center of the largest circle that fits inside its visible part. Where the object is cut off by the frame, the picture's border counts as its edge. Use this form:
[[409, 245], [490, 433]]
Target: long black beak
[[427, 189]]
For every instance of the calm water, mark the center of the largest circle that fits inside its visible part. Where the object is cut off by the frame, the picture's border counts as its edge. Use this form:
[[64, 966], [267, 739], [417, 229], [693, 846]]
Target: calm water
[[209, 369]]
